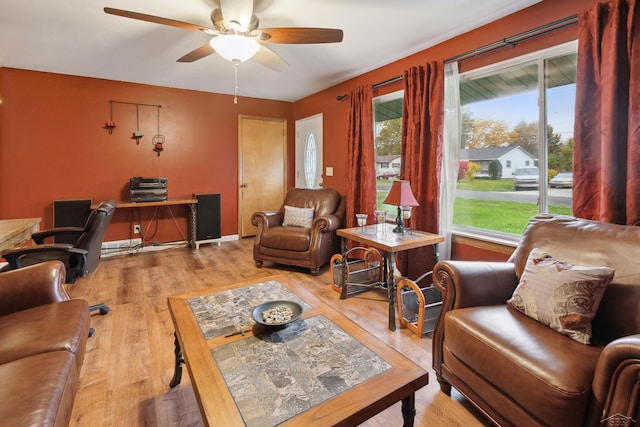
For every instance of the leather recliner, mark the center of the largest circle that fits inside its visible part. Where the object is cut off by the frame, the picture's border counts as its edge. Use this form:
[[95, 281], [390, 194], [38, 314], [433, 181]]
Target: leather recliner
[[310, 247], [520, 372]]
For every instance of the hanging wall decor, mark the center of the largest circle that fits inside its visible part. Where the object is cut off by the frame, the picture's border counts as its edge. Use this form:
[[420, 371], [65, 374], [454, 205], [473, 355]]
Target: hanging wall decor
[[137, 134], [111, 124], [158, 139]]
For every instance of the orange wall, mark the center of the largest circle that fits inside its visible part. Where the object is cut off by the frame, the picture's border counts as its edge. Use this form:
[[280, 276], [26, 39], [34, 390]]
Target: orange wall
[[53, 145], [335, 112]]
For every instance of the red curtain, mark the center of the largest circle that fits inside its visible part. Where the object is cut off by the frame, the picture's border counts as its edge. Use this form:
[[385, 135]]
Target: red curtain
[[361, 170], [606, 162], [422, 126]]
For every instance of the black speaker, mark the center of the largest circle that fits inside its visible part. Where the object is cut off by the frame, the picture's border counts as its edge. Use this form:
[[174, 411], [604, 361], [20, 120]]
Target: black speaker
[[208, 217], [70, 213]]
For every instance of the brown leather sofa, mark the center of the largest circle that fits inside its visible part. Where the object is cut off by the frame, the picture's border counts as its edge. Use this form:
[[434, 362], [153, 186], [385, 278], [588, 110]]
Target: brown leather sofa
[[43, 336], [519, 372], [303, 246]]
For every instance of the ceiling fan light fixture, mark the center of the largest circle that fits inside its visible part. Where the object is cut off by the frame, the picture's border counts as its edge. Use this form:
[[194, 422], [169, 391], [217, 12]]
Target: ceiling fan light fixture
[[234, 47]]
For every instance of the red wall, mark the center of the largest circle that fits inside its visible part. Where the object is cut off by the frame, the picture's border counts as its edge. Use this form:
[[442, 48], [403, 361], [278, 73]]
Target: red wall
[[336, 112], [53, 145]]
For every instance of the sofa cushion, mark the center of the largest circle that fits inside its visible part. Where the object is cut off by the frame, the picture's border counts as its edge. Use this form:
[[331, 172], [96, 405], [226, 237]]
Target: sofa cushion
[[298, 217], [38, 390], [286, 238], [51, 327], [525, 360], [561, 295]]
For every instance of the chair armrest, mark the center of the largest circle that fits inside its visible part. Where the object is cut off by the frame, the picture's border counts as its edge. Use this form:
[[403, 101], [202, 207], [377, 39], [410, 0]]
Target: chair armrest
[[326, 223], [467, 284], [40, 236], [77, 256], [32, 286], [474, 283], [267, 218], [615, 382]]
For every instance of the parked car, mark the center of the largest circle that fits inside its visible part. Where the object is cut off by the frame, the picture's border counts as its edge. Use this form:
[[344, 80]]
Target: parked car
[[562, 180], [386, 175], [526, 178]]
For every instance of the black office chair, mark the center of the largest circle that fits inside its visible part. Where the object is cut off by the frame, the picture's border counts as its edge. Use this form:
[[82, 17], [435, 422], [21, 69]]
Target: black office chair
[[80, 259]]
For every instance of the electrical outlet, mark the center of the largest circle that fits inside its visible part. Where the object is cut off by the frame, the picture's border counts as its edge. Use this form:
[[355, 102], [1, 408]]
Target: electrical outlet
[[136, 229]]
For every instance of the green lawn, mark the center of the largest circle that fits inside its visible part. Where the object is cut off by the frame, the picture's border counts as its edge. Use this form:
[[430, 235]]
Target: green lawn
[[486, 185], [506, 217]]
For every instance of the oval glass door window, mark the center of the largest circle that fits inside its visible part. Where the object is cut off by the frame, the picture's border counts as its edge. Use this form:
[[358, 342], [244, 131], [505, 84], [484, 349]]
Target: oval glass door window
[[310, 161]]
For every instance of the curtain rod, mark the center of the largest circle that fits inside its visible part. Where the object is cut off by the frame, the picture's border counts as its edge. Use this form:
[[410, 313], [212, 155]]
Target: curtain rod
[[518, 38], [509, 41], [376, 86]]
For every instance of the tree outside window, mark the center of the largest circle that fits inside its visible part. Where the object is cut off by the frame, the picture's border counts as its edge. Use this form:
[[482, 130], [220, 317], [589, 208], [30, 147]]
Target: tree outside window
[[514, 115]]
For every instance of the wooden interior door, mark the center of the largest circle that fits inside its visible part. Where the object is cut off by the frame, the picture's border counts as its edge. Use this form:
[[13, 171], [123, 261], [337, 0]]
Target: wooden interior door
[[263, 154]]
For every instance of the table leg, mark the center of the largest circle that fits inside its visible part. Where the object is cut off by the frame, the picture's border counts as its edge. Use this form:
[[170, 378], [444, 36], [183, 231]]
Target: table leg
[[391, 289], [344, 292], [177, 372], [409, 410], [192, 227]]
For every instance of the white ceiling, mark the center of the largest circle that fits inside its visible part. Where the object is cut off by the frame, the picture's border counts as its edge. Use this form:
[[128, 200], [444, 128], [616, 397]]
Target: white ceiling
[[76, 37]]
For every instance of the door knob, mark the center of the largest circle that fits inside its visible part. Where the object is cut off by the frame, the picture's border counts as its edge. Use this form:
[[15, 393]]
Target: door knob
[[244, 185]]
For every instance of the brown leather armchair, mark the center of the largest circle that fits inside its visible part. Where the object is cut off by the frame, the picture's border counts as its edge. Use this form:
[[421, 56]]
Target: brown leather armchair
[[520, 372], [301, 246]]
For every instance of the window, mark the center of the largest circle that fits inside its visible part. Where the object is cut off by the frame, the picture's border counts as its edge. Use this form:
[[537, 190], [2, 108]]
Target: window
[[523, 110], [387, 118], [310, 161]]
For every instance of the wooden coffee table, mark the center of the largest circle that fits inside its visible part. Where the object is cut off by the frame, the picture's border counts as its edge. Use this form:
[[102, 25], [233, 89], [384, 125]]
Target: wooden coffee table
[[321, 370]]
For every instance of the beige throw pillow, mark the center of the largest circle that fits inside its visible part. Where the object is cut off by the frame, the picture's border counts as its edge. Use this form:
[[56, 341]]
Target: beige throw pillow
[[298, 217], [561, 295]]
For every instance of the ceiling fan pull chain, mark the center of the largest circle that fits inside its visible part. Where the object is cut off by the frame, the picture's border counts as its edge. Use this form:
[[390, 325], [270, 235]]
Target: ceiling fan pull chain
[[235, 73]]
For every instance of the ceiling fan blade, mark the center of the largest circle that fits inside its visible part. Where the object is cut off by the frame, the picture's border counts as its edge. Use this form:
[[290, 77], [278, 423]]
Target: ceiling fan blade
[[240, 11], [198, 53], [270, 59], [158, 20], [301, 35]]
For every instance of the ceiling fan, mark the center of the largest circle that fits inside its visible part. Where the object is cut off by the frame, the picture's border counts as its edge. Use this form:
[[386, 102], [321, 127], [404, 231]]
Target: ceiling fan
[[236, 37]]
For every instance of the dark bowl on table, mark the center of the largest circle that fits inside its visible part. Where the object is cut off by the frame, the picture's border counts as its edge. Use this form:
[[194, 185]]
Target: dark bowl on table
[[296, 310]]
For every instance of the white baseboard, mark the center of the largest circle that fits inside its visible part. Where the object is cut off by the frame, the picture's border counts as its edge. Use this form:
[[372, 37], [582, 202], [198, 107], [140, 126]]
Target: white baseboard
[[134, 246]]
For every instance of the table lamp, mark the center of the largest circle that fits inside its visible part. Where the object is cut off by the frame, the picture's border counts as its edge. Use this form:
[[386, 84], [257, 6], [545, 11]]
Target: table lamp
[[401, 196]]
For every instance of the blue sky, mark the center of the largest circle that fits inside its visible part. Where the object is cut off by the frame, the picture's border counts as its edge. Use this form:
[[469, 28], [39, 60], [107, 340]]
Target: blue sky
[[524, 107]]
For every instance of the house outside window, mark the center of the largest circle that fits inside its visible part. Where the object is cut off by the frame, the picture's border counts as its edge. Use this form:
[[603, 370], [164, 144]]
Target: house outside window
[[514, 115]]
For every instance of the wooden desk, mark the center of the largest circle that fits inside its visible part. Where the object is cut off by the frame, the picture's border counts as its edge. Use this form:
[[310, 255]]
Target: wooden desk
[[14, 232], [191, 220], [389, 243], [235, 375]]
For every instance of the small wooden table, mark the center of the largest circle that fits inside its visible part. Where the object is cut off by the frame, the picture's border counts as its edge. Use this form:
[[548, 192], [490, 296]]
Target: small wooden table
[[191, 218], [382, 237], [14, 232], [244, 374]]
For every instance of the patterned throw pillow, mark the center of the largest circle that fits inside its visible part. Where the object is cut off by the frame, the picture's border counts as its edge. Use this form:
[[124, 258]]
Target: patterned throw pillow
[[560, 295], [298, 217]]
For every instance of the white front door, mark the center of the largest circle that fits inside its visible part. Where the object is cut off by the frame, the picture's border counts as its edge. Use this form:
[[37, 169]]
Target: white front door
[[309, 152]]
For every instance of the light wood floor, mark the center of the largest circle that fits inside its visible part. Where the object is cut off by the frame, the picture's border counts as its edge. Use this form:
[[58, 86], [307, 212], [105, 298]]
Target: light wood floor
[[129, 361]]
